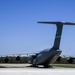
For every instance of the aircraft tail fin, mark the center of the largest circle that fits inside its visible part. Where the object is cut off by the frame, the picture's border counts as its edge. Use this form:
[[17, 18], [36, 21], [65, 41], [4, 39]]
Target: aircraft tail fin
[[59, 26]]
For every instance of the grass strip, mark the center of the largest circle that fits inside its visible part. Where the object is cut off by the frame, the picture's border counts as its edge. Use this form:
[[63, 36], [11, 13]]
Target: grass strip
[[64, 65]]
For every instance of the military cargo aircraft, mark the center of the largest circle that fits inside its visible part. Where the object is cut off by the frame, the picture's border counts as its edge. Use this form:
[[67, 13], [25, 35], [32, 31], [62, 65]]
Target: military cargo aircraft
[[48, 56]]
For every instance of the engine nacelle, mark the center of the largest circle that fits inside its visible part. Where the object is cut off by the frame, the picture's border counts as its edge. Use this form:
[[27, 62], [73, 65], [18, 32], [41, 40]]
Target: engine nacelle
[[31, 58], [18, 58], [6, 59], [70, 60]]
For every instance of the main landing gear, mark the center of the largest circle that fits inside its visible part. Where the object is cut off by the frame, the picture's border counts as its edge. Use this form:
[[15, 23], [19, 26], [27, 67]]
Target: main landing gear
[[47, 66]]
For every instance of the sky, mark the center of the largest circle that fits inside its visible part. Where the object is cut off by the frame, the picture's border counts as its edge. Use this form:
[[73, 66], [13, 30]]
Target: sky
[[20, 32]]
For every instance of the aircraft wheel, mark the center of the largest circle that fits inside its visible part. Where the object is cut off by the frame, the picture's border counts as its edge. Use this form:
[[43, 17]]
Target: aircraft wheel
[[47, 66], [33, 65]]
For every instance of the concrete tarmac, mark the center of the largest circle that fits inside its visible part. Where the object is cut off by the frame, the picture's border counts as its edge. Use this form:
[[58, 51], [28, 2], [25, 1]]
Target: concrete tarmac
[[22, 69]]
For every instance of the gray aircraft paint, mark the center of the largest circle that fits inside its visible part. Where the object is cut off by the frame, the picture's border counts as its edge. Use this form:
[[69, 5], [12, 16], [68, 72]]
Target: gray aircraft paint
[[49, 56]]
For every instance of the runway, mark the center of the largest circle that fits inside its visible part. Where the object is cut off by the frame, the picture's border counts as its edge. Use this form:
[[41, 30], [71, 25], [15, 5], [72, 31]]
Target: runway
[[24, 70]]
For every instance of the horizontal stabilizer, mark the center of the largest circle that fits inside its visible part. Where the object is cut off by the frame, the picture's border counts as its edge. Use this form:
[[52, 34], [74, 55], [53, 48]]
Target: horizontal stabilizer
[[58, 23]]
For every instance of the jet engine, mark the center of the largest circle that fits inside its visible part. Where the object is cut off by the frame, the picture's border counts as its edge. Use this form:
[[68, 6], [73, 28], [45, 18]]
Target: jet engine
[[31, 58], [70, 60], [18, 58], [6, 59]]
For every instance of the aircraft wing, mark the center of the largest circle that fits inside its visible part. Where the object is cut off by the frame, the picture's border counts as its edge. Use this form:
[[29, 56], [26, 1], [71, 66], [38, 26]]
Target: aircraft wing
[[66, 59], [21, 54], [13, 58]]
